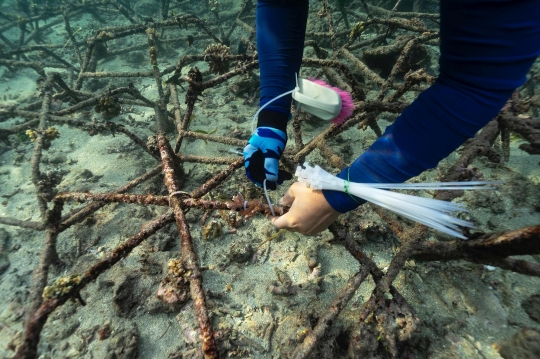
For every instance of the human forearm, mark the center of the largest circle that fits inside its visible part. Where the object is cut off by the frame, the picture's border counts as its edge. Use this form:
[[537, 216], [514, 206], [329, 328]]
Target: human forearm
[[281, 28], [486, 50]]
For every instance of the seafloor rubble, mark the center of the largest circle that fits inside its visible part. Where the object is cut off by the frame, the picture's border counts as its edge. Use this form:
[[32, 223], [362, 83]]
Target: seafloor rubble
[[127, 228]]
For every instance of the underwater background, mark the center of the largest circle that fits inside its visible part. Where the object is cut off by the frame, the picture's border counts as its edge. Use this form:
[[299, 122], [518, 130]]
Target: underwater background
[[96, 97]]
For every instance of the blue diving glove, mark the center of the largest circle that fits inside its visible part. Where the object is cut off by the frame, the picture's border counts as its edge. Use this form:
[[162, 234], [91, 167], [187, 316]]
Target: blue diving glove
[[264, 150]]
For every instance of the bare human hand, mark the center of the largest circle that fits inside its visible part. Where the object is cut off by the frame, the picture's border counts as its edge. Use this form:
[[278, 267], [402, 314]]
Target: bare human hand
[[310, 213]]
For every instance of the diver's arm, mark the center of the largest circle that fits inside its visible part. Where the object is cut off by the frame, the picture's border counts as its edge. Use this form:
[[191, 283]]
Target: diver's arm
[[487, 48], [281, 28]]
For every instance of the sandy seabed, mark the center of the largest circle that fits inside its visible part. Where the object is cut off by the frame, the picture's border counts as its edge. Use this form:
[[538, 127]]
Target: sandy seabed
[[467, 310]]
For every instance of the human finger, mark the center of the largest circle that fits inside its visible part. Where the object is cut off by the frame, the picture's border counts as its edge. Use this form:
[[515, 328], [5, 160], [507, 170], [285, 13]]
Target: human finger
[[287, 199], [285, 221], [297, 189]]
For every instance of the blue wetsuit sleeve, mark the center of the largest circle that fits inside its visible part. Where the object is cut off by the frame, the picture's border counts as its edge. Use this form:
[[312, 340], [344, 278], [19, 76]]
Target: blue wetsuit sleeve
[[487, 48], [281, 29]]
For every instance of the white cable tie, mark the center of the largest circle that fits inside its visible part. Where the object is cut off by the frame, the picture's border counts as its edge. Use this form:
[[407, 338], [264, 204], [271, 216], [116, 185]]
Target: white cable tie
[[430, 212], [177, 193], [272, 100], [268, 198], [266, 104], [235, 151]]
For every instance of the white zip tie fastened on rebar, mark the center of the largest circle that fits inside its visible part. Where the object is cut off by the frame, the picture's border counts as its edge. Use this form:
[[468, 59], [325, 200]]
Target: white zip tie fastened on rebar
[[430, 212]]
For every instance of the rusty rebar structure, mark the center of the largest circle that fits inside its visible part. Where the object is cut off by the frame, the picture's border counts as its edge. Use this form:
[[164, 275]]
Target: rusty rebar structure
[[386, 315]]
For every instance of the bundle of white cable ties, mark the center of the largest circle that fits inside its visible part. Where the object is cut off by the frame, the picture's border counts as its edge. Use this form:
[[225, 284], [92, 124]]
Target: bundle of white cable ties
[[430, 212]]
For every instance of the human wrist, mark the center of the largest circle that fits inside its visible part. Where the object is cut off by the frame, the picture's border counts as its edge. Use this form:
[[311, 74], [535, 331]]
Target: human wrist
[[273, 119], [340, 201], [382, 162]]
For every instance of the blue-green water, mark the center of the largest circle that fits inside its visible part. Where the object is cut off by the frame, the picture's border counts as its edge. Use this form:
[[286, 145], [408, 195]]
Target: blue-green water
[[467, 310]]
